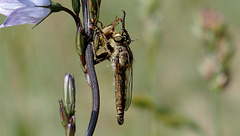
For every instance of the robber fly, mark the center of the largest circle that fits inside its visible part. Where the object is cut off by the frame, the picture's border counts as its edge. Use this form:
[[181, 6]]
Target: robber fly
[[115, 46]]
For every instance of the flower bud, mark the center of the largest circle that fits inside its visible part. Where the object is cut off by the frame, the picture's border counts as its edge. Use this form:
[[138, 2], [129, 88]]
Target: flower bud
[[63, 115], [80, 41], [213, 21], [76, 6], [69, 94], [94, 10], [56, 7], [71, 127], [209, 67], [220, 81]]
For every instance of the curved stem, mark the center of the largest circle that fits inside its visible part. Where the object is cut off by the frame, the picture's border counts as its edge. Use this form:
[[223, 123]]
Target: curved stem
[[95, 91], [75, 17], [91, 70]]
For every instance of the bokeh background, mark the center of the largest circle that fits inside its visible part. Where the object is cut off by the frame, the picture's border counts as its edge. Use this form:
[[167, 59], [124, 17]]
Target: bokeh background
[[167, 55]]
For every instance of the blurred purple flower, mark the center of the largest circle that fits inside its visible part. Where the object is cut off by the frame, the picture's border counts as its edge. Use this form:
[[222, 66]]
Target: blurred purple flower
[[20, 12]]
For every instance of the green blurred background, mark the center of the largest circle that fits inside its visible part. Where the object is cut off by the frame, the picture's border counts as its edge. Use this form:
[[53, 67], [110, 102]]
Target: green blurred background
[[167, 56]]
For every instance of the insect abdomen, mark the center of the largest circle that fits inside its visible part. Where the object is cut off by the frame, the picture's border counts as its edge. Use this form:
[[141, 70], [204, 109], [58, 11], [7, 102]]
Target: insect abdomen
[[120, 78]]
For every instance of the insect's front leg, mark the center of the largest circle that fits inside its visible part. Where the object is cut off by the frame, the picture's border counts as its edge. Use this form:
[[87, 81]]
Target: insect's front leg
[[101, 57], [99, 40], [97, 37], [99, 44]]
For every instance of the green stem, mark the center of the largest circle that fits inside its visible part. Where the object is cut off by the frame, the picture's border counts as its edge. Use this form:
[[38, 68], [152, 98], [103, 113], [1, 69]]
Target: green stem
[[75, 17], [217, 115]]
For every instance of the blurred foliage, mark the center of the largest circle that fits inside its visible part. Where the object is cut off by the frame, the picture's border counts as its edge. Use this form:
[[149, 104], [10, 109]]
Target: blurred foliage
[[215, 69], [219, 50], [166, 60], [164, 114]]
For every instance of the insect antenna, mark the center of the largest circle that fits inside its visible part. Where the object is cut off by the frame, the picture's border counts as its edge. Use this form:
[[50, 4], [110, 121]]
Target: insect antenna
[[134, 40]]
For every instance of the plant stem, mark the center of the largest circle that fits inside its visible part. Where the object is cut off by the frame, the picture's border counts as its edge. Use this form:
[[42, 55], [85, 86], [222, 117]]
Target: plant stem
[[217, 115], [95, 91], [75, 17], [91, 70]]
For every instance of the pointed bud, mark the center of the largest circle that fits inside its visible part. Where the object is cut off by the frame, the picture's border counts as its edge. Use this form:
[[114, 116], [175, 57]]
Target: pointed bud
[[69, 94], [71, 127], [94, 10], [63, 114], [80, 46], [76, 6], [55, 7], [80, 41]]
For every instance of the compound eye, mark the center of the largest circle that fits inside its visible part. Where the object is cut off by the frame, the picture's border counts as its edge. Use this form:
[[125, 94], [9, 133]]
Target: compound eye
[[118, 39]]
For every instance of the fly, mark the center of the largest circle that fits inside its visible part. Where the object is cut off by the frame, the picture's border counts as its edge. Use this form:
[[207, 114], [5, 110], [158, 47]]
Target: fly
[[115, 46]]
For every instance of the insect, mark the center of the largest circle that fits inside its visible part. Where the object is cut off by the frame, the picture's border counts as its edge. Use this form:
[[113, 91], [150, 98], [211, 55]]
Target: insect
[[115, 46]]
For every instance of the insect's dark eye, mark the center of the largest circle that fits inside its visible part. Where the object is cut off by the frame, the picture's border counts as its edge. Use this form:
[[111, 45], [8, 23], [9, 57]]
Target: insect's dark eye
[[118, 39]]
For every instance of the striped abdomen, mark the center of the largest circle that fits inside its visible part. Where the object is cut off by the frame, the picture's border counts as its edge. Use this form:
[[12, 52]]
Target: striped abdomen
[[122, 62], [120, 92]]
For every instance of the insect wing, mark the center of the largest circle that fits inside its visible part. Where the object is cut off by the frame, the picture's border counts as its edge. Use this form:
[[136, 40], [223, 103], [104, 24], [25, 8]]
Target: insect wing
[[129, 86]]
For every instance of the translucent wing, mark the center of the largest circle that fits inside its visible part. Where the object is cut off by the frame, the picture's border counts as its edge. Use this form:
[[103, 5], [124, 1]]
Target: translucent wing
[[129, 86]]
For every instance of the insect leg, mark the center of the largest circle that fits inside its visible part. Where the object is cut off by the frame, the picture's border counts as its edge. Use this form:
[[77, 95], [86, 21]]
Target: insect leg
[[125, 34], [101, 57], [103, 41], [98, 39], [123, 20], [100, 24]]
